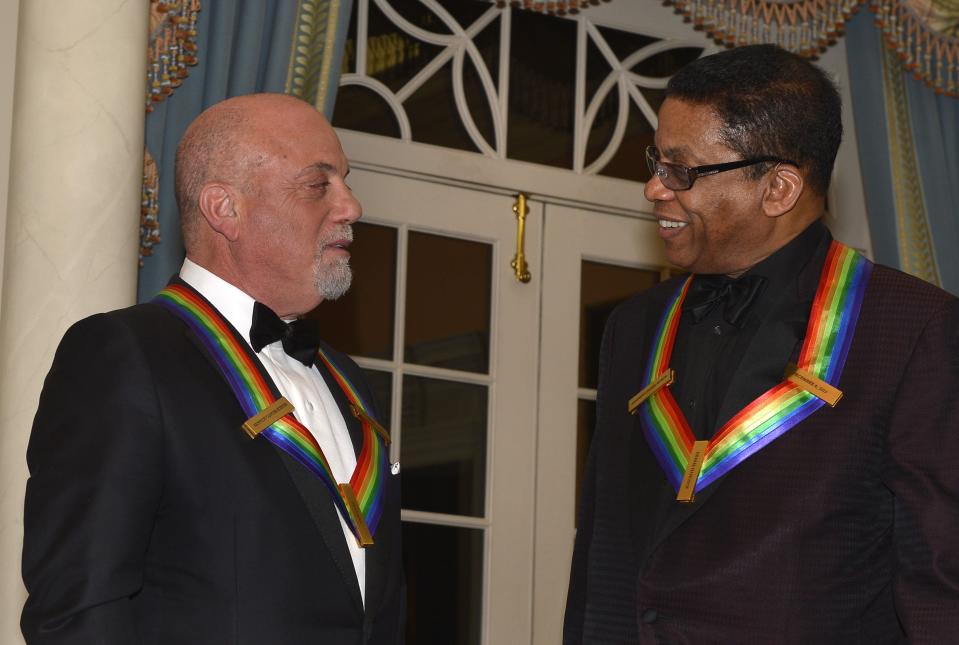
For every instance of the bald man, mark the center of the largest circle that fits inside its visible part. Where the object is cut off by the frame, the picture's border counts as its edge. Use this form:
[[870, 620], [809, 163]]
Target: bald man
[[194, 460]]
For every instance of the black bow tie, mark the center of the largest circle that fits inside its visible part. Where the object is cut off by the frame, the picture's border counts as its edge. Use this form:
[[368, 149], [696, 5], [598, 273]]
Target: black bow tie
[[301, 338], [737, 296]]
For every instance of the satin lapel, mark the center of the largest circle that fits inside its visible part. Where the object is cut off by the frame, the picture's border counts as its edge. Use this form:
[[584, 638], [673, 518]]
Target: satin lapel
[[759, 353], [377, 556], [652, 498], [317, 499], [315, 495], [781, 327]]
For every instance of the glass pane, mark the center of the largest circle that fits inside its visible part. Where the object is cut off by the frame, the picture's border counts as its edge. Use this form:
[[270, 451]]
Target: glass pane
[[668, 62], [603, 287], [629, 161], [443, 446], [359, 108], [361, 322], [393, 57], [381, 384], [444, 580], [433, 115], [624, 43], [585, 428], [604, 123], [541, 89], [664, 65], [487, 42], [448, 302]]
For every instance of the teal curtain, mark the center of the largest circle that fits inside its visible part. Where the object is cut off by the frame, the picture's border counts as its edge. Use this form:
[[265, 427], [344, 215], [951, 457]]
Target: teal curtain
[[244, 46], [908, 138]]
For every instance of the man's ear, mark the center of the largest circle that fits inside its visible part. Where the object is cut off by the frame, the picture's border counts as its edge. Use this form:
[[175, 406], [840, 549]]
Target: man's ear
[[218, 205], [783, 190]]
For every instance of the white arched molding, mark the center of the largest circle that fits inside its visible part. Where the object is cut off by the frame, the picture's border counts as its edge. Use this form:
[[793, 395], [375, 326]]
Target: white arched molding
[[70, 245], [459, 45]]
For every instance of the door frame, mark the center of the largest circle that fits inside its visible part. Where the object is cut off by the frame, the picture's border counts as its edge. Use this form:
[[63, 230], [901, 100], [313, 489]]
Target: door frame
[[508, 524]]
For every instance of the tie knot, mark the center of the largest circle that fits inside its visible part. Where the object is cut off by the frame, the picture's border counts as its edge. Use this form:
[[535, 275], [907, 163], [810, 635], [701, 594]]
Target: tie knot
[[736, 296], [300, 338]]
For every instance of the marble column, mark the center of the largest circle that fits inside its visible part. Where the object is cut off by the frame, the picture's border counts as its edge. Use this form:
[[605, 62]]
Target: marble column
[[72, 216], [8, 58]]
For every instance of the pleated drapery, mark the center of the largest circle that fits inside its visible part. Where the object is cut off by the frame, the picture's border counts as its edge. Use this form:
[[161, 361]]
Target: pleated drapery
[[908, 137]]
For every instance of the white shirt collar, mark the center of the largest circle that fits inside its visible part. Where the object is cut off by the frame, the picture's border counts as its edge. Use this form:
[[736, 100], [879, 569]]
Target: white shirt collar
[[232, 303]]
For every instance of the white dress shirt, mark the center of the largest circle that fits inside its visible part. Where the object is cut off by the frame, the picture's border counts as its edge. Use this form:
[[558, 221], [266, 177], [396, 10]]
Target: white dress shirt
[[302, 386]]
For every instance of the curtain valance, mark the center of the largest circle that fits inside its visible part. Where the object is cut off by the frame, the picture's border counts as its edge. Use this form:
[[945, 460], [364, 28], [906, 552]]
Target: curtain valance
[[552, 7], [922, 32]]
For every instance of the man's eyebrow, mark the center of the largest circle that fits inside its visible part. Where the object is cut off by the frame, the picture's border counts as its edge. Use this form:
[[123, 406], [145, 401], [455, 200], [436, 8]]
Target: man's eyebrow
[[319, 166], [675, 152]]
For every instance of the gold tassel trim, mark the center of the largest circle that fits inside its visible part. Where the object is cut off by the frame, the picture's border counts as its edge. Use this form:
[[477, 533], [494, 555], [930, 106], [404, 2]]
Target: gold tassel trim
[[149, 207], [172, 47], [551, 7], [807, 27]]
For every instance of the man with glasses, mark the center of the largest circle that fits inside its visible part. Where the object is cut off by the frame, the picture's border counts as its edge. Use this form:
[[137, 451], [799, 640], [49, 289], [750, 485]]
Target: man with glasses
[[777, 431]]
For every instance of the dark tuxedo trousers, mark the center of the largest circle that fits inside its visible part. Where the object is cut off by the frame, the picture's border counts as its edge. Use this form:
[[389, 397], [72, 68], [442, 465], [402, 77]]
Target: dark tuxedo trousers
[[843, 530], [151, 517]]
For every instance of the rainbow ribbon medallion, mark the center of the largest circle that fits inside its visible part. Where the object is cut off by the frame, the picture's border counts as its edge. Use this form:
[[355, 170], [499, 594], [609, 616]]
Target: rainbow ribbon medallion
[[360, 502], [829, 333]]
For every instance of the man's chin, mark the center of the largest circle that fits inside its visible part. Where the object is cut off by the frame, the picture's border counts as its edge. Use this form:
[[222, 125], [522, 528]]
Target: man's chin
[[335, 282], [677, 258]]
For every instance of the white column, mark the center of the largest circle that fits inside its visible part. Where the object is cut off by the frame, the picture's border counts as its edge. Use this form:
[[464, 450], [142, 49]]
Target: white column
[[8, 57], [72, 216]]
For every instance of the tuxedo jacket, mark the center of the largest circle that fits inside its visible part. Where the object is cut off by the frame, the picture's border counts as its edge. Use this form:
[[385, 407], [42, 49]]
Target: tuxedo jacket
[[152, 518], [843, 530]]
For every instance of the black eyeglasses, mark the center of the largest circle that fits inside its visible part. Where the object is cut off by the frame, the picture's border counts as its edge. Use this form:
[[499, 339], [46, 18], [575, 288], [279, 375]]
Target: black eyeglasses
[[677, 177]]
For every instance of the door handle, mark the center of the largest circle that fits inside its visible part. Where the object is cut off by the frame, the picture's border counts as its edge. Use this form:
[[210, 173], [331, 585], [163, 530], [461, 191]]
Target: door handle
[[519, 265]]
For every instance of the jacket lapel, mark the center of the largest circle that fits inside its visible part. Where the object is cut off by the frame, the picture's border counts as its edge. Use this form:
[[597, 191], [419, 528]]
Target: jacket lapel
[[772, 344], [377, 555], [781, 326], [315, 495]]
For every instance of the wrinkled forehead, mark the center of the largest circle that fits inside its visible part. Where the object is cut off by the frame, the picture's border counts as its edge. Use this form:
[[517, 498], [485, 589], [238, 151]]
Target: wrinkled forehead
[[303, 143]]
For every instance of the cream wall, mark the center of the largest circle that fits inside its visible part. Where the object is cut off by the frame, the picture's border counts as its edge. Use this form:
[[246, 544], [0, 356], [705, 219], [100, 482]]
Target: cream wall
[[72, 210]]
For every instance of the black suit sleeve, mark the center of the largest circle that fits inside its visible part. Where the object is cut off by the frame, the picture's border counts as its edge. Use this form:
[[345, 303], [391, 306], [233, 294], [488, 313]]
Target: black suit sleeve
[[579, 574], [95, 463], [923, 474]]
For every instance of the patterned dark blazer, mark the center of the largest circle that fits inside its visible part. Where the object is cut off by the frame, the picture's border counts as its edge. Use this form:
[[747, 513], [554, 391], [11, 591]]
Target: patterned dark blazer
[[843, 530]]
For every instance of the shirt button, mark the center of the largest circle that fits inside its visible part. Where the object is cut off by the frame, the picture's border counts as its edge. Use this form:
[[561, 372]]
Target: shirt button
[[650, 616], [718, 330], [309, 405]]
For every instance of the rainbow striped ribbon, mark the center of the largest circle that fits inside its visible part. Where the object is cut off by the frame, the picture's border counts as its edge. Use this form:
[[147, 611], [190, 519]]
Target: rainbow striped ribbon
[[244, 374], [829, 333]]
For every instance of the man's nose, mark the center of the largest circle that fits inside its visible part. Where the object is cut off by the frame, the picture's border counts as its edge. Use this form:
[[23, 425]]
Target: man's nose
[[656, 191], [349, 209]]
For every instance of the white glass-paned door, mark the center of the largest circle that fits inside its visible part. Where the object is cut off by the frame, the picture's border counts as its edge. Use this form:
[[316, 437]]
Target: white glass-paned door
[[447, 337]]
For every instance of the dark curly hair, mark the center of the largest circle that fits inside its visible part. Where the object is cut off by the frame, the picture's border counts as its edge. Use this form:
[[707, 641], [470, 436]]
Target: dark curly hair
[[771, 103]]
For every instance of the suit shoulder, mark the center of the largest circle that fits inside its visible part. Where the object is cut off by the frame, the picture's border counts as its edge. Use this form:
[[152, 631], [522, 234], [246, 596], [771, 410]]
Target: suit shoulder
[[141, 320], [895, 293], [145, 330]]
